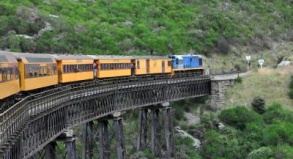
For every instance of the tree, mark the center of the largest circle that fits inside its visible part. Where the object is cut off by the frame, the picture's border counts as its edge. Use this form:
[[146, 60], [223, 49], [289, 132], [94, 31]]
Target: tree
[[258, 105]]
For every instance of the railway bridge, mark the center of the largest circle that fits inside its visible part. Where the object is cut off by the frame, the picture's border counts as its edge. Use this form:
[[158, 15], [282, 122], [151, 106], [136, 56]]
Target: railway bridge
[[33, 126]]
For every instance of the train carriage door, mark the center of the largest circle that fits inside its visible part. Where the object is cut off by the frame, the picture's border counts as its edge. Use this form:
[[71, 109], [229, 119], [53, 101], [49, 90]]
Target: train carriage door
[[148, 65], [133, 68], [60, 70], [163, 66]]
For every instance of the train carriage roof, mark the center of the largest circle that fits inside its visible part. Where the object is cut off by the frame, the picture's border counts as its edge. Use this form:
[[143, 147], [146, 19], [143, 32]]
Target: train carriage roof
[[151, 57], [70, 57], [191, 55], [126, 57], [7, 57], [30, 57], [109, 57], [180, 57]]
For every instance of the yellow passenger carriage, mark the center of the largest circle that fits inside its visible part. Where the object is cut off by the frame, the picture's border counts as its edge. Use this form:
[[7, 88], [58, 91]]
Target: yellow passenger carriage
[[112, 66], [9, 83], [151, 65], [36, 71], [72, 68]]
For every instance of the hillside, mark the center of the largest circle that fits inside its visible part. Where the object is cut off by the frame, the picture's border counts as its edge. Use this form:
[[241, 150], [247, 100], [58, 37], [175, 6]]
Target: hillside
[[267, 83], [143, 27]]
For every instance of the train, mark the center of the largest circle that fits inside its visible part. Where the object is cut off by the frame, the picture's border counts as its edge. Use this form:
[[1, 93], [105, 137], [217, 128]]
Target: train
[[22, 73]]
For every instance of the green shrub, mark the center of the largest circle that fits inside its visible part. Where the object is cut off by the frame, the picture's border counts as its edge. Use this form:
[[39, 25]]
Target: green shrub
[[283, 152], [258, 105], [238, 79], [222, 146], [148, 154], [238, 117], [261, 153], [279, 133], [276, 113]]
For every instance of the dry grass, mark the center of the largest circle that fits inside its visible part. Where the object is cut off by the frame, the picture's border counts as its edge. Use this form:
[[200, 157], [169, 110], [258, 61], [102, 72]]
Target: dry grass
[[270, 84], [228, 62]]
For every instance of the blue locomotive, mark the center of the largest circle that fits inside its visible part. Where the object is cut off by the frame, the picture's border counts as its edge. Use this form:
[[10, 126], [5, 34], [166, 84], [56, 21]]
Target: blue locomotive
[[187, 63]]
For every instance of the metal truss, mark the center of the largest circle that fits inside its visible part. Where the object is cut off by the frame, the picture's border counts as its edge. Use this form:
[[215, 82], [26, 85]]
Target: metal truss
[[33, 123]]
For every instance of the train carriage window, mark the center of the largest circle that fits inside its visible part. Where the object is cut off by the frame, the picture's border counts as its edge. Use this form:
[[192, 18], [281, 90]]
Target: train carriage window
[[64, 68], [55, 69], [1, 74], [3, 58], [51, 70], [39, 59], [68, 68], [200, 62], [16, 72], [30, 71]]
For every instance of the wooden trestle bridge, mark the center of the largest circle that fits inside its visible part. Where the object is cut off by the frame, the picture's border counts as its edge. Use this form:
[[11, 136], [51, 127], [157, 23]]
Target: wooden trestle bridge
[[34, 124]]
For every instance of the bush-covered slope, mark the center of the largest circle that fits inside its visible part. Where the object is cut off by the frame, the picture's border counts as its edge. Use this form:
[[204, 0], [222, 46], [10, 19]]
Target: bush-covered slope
[[140, 26]]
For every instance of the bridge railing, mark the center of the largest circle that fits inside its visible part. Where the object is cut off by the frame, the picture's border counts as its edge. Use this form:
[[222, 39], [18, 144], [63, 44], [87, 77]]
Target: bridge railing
[[224, 72], [13, 118]]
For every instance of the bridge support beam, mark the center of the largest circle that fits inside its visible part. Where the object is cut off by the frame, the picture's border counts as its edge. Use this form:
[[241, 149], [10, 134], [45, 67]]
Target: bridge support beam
[[118, 128], [87, 141], [104, 139], [70, 148], [50, 150], [161, 130], [142, 129], [168, 131], [155, 132], [68, 138]]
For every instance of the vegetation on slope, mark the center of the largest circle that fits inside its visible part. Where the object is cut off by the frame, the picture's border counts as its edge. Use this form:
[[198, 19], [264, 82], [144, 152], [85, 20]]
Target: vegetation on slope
[[142, 27], [244, 133]]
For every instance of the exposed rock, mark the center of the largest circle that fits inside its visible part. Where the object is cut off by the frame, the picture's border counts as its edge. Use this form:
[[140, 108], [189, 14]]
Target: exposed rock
[[25, 36], [28, 14], [128, 23], [80, 28], [221, 126], [47, 27], [191, 119], [284, 63], [182, 133], [53, 16]]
